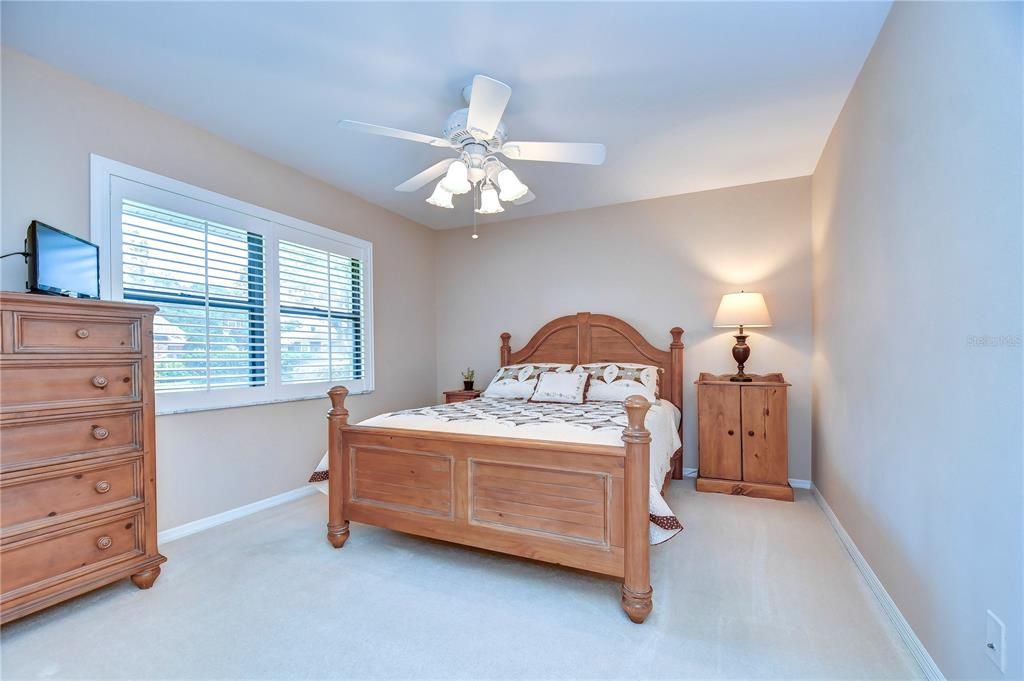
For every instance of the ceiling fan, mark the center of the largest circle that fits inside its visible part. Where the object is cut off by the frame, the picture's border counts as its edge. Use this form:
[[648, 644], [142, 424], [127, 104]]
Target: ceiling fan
[[478, 135]]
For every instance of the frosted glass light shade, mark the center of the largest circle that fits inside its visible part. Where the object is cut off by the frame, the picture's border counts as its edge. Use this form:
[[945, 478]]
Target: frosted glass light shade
[[456, 180], [489, 203], [511, 187], [442, 198], [742, 309]]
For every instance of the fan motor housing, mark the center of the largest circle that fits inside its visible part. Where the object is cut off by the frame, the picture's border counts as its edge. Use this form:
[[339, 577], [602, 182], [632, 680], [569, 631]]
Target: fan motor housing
[[455, 131]]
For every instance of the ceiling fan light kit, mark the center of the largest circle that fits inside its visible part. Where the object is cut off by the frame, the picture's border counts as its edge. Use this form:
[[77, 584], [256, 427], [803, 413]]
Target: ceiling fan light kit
[[456, 180], [478, 134], [511, 188], [442, 198], [489, 203]]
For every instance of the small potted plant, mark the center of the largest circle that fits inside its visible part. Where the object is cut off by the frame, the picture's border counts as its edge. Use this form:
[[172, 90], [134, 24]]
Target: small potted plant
[[467, 378]]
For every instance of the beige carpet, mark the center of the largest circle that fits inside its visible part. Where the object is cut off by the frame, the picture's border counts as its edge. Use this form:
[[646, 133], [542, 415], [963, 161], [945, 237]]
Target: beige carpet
[[751, 589]]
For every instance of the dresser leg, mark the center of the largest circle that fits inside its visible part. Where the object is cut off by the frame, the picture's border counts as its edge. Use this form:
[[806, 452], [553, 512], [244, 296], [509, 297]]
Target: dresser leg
[[144, 580]]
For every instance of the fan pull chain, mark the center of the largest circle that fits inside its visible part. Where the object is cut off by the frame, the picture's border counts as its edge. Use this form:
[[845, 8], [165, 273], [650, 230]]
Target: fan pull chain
[[476, 193]]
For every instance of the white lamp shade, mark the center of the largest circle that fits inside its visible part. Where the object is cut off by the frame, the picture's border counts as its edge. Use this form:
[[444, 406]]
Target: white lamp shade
[[489, 203], [442, 198], [456, 180], [511, 187], [742, 309]]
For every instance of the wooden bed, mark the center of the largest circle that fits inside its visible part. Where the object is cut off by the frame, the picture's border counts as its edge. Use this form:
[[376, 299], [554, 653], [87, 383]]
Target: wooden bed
[[428, 483]]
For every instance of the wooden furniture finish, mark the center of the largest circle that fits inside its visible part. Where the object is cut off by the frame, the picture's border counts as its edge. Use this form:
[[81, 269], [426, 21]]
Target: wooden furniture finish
[[460, 395], [78, 484], [584, 506], [742, 435]]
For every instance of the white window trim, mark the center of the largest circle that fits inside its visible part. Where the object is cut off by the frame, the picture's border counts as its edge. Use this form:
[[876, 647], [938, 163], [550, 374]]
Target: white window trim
[[104, 173]]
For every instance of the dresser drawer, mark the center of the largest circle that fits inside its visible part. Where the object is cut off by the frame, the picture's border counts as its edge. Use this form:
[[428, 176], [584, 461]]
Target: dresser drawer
[[37, 332], [63, 383], [37, 441], [39, 561], [59, 496]]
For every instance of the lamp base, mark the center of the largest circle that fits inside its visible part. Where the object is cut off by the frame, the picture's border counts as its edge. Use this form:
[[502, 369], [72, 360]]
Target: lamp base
[[740, 353]]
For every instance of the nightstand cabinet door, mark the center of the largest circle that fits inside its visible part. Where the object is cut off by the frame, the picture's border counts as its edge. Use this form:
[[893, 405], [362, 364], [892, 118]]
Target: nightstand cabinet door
[[720, 435], [764, 434]]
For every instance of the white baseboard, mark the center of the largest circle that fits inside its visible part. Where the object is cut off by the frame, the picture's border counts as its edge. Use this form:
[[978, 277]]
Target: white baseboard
[[793, 482], [917, 649], [233, 514]]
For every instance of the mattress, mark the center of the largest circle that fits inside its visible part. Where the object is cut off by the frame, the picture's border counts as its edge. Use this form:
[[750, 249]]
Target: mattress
[[589, 423]]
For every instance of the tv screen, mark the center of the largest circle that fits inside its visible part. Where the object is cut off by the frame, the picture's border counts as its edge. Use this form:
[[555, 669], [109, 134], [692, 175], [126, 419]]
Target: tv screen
[[62, 264]]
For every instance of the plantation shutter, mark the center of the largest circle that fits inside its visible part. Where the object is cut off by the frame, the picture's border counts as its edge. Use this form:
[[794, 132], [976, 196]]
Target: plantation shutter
[[208, 280], [321, 315]]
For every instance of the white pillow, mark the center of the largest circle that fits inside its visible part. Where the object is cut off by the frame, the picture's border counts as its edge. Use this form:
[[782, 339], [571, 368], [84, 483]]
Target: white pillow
[[564, 388], [614, 382], [518, 381]]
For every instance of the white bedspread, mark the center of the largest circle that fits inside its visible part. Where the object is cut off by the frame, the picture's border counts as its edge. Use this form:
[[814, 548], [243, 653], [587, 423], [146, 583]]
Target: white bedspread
[[592, 422]]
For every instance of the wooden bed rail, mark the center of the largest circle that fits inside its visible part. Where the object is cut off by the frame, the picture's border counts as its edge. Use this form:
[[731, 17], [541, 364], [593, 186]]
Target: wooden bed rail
[[588, 505]]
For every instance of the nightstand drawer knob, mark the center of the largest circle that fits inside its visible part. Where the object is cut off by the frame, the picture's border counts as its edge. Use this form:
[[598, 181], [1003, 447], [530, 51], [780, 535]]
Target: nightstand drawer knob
[[82, 333], [100, 381], [100, 433], [104, 543], [102, 487]]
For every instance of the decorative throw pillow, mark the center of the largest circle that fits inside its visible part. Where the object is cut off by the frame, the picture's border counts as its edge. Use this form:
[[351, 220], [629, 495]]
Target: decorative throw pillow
[[614, 382], [564, 388], [518, 381]]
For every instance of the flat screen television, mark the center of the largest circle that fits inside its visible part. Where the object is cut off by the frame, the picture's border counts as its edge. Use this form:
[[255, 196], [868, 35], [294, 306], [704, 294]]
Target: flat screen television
[[61, 264]]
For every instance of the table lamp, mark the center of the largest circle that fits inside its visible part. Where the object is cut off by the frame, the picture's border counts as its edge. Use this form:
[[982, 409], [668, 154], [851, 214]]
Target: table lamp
[[742, 309]]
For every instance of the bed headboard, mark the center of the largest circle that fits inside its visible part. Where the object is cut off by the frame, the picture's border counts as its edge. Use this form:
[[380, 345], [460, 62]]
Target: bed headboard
[[584, 337]]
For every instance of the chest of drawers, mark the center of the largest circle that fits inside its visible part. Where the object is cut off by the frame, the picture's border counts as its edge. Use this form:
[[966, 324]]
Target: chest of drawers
[[77, 449]]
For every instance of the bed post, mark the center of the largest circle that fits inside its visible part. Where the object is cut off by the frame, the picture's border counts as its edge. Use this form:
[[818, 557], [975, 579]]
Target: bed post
[[506, 348], [676, 367], [337, 418], [636, 586]]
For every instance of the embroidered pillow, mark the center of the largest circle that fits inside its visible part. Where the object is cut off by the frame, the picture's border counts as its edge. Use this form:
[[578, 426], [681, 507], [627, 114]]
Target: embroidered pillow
[[612, 382], [564, 388], [518, 381]]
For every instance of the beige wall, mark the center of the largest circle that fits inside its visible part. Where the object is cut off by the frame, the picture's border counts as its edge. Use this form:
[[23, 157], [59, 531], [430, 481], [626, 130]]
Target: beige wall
[[216, 460], [655, 264], [917, 240]]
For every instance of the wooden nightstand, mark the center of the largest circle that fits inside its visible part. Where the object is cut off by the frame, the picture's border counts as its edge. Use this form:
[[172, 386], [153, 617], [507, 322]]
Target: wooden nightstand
[[742, 436], [460, 395]]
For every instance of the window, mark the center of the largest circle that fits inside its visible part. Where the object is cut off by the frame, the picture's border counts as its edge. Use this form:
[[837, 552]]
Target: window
[[254, 306], [321, 315]]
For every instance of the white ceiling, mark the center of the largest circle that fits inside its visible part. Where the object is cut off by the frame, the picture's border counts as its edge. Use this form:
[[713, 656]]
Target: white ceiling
[[686, 97]]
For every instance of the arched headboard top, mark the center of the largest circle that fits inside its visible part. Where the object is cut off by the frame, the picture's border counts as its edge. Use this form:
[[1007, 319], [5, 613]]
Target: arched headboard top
[[583, 338]]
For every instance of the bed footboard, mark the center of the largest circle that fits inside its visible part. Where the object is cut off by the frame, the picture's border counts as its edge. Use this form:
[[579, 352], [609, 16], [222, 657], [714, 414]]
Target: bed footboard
[[583, 506]]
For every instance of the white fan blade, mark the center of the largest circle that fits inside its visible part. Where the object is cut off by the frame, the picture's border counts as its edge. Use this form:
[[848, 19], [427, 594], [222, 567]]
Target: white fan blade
[[372, 129], [487, 103], [525, 198], [556, 152], [432, 173]]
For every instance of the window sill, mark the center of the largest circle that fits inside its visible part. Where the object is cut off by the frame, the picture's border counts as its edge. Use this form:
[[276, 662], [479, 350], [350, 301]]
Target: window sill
[[246, 403]]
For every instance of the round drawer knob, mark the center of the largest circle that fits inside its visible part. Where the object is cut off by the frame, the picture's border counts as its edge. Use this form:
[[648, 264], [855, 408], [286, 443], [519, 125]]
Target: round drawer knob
[[102, 487], [100, 433], [104, 543], [99, 381], [82, 333]]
